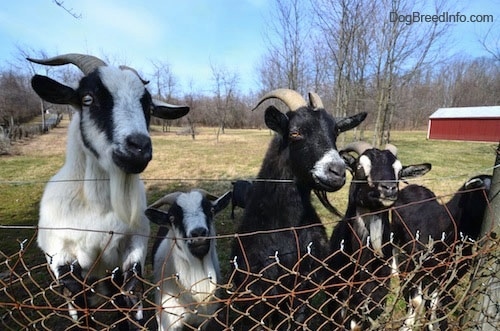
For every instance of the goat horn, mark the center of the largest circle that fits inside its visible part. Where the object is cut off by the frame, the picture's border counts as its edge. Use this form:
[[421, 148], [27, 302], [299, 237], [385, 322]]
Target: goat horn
[[86, 63], [167, 199], [206, 194], [391, 148], [292, 99], [358, 146], [315, 101], [123, 67]]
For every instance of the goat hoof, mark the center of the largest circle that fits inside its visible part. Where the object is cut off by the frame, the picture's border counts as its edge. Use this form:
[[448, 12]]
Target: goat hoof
[[70, 276]]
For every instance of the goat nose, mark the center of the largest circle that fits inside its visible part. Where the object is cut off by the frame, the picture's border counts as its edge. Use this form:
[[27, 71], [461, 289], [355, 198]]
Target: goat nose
[[388, 189], [337, 169], [140, 145], [199, 232]]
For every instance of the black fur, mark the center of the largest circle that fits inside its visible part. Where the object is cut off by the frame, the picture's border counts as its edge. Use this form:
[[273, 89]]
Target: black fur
[[302, 139], [240, 194], [417, 210], [359, 281]]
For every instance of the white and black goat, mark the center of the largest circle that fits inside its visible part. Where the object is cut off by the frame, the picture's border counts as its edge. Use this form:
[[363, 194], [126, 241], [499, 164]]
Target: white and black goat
[[360, 244], [92, 216], [185, 262], [282, 257], [434, 246]]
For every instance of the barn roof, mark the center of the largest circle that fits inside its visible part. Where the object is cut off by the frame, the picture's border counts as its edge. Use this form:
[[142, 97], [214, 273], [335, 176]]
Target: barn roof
[[467, 112]]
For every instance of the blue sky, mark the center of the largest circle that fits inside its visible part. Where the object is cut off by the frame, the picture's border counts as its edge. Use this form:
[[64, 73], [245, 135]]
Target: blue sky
[[187, 34]]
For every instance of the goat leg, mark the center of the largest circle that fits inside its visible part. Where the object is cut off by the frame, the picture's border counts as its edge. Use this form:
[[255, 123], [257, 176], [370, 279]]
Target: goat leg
[[133, 290], [70, 277]]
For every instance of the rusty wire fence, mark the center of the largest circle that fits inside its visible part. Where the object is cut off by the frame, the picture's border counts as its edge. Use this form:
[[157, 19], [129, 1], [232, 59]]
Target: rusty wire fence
[[30, 297]]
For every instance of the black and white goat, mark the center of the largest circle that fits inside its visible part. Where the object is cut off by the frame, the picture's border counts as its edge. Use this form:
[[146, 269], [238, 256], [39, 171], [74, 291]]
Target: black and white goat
[[240, 194], [92, 211], [185, 262], [360, 244], [281, 258], [433, 242]]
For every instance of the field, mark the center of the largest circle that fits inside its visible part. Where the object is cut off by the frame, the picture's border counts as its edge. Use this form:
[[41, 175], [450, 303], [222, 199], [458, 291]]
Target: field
[[179, 162]]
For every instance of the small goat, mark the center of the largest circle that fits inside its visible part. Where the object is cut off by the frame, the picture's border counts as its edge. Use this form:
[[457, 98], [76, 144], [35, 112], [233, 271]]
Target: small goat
[[185, 262], [240, 194], [283, 256], [92, 211], [360, 243], [433, 243]]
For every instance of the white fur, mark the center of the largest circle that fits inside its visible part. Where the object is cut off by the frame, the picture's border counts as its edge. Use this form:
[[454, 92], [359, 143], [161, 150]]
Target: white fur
[[186, 283], [91, 211], [397, 166], [366, 163], [321, 168]]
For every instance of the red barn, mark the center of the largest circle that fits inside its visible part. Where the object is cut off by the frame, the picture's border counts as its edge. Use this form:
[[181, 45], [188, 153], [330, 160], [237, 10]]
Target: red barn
[[465, 123]]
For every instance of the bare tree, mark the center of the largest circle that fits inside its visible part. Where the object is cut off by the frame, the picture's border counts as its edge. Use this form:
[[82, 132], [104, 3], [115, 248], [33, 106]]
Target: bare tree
[[165, 83], [491, 41], [401, 49], [225, 90], [285, 63], [70, 11]]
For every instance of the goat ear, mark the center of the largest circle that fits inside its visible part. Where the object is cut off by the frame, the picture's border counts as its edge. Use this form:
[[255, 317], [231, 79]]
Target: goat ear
[[348, 123], [416, 170], [167, 111], [276, 120], [53, 91], [157, 216], [349, 160], [222, 202]]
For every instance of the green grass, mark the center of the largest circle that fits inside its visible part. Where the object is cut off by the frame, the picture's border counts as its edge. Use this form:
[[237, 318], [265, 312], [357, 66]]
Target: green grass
[[180, 163]]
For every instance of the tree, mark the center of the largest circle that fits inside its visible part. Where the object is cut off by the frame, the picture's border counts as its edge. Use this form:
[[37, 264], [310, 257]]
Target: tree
[[401, 49], [285, 63], [225, 90]]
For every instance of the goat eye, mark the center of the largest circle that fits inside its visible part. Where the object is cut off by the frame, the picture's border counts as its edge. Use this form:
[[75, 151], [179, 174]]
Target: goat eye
[[87, 100], [171, 219], [295, 135]]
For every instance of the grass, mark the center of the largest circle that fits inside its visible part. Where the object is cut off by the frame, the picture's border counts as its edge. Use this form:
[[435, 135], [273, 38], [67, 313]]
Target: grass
[[179, 162], [210, 163]]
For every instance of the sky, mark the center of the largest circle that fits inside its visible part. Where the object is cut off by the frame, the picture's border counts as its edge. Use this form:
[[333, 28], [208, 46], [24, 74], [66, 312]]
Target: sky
[[189, 35]]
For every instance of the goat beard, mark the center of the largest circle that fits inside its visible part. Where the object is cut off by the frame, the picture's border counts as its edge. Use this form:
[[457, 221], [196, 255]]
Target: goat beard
[[127, 198], [323, 198]]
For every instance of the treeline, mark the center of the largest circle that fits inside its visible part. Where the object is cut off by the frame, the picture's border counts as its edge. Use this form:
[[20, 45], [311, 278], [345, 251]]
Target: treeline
[[348, 51], [457, 83]]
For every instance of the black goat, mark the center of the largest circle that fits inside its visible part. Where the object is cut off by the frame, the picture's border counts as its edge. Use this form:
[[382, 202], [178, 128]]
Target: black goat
[[240, 194], [432, 240], [360, 243], [272, 264]]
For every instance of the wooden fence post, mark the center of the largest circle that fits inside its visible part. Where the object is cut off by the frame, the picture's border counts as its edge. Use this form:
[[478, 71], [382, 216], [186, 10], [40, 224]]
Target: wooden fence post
[[485, 288]]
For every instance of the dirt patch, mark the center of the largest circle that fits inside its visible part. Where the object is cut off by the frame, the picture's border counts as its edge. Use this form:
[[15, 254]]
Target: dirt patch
[[51, 143]]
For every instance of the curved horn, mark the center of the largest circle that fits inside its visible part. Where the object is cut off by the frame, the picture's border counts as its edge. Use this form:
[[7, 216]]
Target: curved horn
[[391, 148], [315, 101], [206, 194], [358, 146], [292, 99], [123, 67], [167, 199], [86, 63]]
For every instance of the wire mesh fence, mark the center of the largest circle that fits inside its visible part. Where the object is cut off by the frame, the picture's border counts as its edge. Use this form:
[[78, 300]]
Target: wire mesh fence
[[459, 290]]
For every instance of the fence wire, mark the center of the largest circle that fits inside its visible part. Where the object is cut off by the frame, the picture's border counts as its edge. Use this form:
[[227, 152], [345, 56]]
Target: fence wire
[[31, 298]]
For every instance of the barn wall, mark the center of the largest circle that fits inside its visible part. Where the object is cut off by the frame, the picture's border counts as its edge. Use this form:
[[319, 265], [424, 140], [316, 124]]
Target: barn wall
[[469, 129]]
